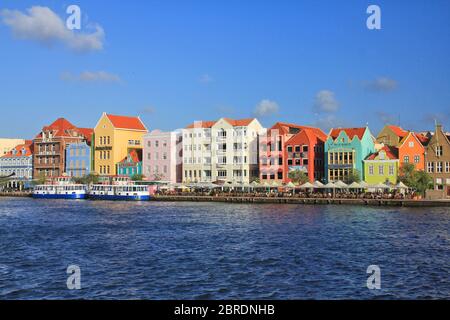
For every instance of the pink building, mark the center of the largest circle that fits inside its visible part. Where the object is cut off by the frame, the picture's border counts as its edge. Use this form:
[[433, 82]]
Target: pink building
[[163, 156]]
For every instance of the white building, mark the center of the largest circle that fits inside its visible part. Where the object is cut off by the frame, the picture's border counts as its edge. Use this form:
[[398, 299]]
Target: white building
[[225, 150]]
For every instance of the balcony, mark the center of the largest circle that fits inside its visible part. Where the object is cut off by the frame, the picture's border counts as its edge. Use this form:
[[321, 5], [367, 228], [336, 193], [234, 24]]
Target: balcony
[[134, 143]]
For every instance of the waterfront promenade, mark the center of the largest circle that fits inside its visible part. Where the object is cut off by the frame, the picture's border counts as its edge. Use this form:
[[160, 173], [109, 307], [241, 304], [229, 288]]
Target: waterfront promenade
[[323, 201], [282, 200]]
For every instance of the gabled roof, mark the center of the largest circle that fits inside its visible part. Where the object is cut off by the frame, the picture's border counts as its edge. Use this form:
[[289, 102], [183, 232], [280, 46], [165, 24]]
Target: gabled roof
[[125, 122], [420, 138], [27, 146], [398, 131], [313, 134], [133, 155], [209, 124], [290, 128], [351, 132], [391, 153]]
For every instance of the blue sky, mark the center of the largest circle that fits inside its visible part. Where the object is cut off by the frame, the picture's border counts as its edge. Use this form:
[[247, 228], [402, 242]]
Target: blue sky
[[172, 62]]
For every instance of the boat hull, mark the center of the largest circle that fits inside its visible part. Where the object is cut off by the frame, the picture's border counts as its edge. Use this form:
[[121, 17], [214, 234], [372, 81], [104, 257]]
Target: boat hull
[[60, 196], [119, 197]]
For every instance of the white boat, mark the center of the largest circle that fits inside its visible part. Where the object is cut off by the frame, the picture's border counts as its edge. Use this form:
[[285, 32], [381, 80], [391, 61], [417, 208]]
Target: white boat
[[119, 192], [70, 191], [120, 189]]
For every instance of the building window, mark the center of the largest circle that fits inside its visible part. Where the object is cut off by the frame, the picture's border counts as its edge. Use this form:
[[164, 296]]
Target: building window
[[371, 169], [391, 170], [430, 167], [447, 167], [439, 167], [416, 159], [381, 170], [406, 159], [411, 144], [439, 151]]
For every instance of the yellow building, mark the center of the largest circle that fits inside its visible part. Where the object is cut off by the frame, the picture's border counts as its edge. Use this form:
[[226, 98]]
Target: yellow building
[[6, 145], [114, 137]]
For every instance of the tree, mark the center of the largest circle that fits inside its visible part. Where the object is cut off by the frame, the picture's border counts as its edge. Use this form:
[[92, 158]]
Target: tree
[[353, 176], [137, 177], [91, 178], [423, 181], [298, 177], [406, 174], [416, 179], [41, 179]]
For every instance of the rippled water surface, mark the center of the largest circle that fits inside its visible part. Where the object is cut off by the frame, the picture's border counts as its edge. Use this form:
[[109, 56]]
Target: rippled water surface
[[157, 250]]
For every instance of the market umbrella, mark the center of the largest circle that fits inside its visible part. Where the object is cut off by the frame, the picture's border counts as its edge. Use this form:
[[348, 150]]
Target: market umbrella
[[318, 184], [307, 185], [341, 184], [355, 185]]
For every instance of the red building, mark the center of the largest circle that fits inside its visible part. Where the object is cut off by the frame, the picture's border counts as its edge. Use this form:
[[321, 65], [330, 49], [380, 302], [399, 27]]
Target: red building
[[287, 147]]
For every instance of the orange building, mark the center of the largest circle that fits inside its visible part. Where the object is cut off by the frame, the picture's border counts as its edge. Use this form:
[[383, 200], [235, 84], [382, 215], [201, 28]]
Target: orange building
[[410, 145], [287, 147]]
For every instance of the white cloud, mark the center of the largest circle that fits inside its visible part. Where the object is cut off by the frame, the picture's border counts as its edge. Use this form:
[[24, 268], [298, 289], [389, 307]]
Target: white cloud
[[266, 108], [382, 84], [42, 25], [91, 76], [326, 122], [206, 78], [325, 101]]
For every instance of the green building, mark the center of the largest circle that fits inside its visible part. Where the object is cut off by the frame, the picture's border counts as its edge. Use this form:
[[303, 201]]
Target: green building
[[382, 166], [131, 165]]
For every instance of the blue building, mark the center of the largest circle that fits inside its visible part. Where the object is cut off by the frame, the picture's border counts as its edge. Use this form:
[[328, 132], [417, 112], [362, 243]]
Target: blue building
[[345, 151], [78, 159]]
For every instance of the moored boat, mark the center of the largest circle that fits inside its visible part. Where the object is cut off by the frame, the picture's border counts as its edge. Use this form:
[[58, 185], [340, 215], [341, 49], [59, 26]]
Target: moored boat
[[60, 188], [119, 192], [69, 191]]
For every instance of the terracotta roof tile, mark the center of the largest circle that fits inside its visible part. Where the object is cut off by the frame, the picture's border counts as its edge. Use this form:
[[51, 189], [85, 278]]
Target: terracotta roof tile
[[27, 147], [391, 153], [124, 122], [351, 132], [400, 132]]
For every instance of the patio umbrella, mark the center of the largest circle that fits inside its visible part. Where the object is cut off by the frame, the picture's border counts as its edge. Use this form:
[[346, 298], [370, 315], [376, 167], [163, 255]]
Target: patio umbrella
[[355, 185], [330, 185], [401, 185], [380, 186], [307, 185], [318, 184], [290, 185], [363, 184], [341, 184]]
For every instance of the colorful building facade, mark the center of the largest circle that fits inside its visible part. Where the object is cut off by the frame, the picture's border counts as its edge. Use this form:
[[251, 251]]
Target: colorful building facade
[[6, 145], [288, 147], [382, 166], [131, 165], [221, 151], [437, 162], [114, 138], [163, 156], [18, 162], [345, 150], [50, 147], [410, 144], [78, 159]]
